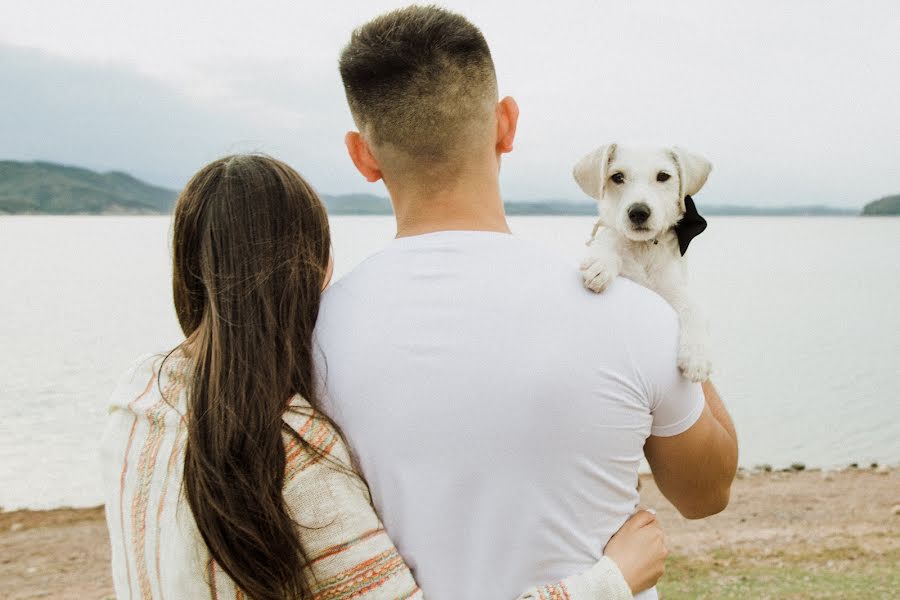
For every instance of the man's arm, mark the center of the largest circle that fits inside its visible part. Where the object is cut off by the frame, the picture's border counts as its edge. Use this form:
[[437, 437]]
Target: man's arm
[[694, 469]]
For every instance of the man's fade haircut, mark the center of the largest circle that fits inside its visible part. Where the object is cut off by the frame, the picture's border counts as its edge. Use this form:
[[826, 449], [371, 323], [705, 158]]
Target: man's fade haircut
[[421, 85]]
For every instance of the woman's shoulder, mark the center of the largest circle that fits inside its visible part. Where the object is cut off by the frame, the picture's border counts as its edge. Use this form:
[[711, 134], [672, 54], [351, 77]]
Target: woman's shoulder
[[144, 365], [141, 372], [153, 365], [147, 373]]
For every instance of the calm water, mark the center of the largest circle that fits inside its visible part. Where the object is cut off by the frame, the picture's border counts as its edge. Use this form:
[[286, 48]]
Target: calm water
[[805, 314]]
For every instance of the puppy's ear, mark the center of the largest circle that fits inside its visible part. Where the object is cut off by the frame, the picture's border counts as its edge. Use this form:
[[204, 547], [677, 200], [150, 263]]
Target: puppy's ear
[[590, 171], [693, 170]]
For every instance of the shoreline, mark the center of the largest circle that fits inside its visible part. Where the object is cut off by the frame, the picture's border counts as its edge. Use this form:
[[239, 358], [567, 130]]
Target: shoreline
[[787, 533], [643, 472]]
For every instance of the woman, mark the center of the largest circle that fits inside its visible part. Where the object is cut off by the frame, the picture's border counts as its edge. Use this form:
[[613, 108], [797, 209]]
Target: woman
[[223, 479]]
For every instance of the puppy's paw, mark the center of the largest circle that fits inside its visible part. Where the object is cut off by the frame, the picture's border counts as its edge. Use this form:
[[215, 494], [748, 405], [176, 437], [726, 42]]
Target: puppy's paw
[[597, 273], [694, 363]]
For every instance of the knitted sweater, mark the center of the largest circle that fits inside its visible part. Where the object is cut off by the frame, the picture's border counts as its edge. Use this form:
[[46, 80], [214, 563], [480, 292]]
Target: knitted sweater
[[157, 550]]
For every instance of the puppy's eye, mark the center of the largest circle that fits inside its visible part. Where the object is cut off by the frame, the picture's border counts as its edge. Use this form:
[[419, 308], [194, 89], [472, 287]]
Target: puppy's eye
[[663, 176], [618, 178]]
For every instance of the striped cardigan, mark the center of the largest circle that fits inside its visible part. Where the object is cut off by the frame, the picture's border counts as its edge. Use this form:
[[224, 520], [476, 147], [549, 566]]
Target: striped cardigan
[[157, 551]]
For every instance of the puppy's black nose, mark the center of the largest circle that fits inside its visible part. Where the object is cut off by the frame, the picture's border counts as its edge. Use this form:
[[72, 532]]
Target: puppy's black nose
[[639, 213]]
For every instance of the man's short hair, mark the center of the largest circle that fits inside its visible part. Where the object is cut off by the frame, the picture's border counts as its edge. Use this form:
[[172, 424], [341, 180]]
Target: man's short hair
[[420, 83]]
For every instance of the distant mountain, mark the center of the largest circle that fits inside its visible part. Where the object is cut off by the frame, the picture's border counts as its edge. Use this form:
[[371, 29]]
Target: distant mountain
[[357, 204], [889, 205], [368, 204], [813, 210], [553, 207], [550, 207], [48, 188]]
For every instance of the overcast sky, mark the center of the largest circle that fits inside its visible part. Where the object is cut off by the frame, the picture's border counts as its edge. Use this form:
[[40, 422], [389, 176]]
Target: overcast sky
[[794, 102]]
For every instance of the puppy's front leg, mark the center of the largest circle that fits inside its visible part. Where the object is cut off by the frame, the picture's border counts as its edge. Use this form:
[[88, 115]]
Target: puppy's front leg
[[694, 353], [694, 348], [603, 261]]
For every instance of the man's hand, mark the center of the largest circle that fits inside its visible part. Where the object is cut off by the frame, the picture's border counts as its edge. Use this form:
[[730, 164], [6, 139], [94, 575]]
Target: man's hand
[[695, 469]]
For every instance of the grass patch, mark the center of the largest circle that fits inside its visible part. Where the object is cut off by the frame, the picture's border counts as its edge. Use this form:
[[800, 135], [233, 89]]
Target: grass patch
[[847, 572]]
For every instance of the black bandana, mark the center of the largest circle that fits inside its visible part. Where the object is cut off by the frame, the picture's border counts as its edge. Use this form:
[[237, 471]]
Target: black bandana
[[690, 226]]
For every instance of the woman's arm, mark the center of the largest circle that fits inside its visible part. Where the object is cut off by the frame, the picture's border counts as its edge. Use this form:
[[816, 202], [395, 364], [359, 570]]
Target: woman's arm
[[350, 555], [348, 552], [603, 581], [633, 561]]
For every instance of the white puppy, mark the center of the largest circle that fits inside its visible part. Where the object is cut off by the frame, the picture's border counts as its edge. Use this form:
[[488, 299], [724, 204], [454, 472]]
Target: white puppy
[[646, 220]]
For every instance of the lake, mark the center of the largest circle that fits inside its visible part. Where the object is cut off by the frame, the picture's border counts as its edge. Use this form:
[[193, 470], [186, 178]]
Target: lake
[[805, 315]]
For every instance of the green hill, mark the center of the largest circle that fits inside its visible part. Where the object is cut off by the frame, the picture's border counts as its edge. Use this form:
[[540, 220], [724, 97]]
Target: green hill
[[889, 205], [48, 188], [369, 204], [357, 204], [798, 210]]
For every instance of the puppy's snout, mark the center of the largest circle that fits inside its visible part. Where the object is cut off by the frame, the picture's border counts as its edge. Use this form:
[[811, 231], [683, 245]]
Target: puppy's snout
[[639, 213]]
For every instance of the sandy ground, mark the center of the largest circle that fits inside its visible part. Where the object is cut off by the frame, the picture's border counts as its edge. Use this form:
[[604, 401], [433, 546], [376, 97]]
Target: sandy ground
[[773, 516]]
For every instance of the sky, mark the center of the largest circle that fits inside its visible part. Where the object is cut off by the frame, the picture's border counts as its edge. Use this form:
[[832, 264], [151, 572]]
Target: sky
[[793, 102]]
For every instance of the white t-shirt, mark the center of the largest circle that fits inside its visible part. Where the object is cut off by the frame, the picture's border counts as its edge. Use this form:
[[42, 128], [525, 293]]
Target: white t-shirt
[[497, 408]]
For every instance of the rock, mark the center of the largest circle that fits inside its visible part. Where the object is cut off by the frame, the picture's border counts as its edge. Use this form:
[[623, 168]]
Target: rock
[[16, 527], [883, 470], [896, 509], [827, 476]]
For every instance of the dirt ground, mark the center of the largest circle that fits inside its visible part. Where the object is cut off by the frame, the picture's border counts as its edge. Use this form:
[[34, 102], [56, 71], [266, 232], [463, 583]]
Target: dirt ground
[[803, 534]]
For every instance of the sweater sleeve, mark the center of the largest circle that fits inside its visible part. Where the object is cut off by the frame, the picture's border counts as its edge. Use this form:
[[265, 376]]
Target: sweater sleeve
[[349, 554], [603, 581]]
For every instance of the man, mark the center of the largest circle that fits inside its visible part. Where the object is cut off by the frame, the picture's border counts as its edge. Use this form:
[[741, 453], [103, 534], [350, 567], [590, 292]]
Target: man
[[498, 409]]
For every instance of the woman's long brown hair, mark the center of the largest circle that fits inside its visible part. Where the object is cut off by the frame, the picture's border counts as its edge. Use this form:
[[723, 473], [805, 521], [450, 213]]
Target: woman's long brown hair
[[251, 252]]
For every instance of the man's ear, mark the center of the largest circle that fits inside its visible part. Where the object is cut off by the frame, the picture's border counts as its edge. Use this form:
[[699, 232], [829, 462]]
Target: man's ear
[[507, 121], [693, 170], [590, 171], [362, 157]]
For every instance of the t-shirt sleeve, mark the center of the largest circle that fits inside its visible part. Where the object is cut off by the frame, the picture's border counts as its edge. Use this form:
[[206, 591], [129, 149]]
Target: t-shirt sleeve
[[678, 404], [674, 401]]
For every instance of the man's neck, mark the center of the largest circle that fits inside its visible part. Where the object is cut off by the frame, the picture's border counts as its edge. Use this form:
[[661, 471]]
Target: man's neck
[[472, 205]]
